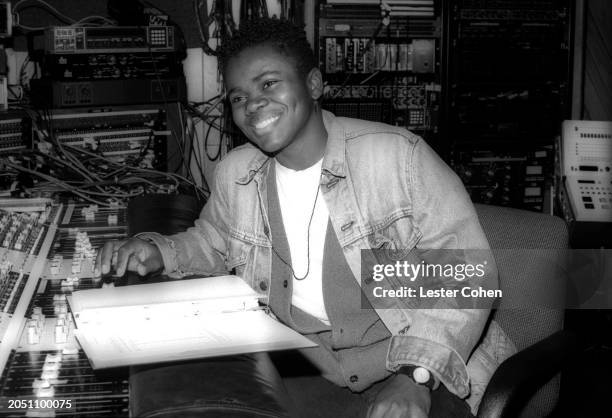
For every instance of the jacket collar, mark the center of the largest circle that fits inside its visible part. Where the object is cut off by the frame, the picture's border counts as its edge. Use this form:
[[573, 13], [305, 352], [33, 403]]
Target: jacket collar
[[333, 160], [255, 168]]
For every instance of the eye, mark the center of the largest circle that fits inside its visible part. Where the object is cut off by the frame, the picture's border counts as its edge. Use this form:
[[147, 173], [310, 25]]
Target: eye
[[236, 99], [269, 83]]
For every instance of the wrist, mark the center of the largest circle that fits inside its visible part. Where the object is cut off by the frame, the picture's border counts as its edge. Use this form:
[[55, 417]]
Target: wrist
[[161, 249]]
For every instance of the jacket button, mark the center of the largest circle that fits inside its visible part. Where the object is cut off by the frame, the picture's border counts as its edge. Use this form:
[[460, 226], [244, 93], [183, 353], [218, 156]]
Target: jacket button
[[263, 285], [285, 283], [354, 379], [368, 280]]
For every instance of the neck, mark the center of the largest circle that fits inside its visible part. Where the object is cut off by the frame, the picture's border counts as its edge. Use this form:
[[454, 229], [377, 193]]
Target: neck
[[309, 148]]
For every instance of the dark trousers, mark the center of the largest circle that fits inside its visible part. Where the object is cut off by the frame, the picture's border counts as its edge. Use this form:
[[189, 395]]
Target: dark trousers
[[313, 396]]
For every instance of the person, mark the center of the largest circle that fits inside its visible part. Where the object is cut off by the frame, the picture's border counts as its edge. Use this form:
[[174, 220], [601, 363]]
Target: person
[[291, 212]]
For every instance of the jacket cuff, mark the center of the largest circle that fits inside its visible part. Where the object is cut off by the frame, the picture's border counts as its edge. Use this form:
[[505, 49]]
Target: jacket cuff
[[442, 361], [166, 248]]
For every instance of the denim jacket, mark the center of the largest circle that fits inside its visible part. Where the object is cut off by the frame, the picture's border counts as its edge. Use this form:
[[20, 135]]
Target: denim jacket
[[383, 186]]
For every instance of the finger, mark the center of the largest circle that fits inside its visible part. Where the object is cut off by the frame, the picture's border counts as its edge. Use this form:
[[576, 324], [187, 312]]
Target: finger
[[124, 253], [411, 410], [97, 263], [143, 269], [104, 259], [114, 257], [377, 410], [137, 263], [395, 411]]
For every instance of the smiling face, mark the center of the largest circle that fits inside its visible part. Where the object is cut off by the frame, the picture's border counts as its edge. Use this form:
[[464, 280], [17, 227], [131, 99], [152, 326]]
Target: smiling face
[[275, 106]]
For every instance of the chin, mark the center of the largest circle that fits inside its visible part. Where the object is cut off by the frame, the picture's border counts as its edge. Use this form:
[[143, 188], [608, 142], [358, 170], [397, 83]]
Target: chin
[[270, 145]]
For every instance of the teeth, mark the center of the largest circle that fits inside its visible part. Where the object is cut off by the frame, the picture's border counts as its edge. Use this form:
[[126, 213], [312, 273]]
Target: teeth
[[266, 122]]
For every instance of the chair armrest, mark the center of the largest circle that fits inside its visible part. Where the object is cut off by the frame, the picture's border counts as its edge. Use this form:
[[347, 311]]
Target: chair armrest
[[520, 376]]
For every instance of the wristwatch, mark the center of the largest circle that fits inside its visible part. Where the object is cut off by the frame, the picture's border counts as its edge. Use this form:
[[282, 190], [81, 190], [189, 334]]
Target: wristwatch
[[420, 375]]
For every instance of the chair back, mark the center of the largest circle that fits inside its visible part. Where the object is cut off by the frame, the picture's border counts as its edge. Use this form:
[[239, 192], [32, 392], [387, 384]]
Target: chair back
[[528, 248]]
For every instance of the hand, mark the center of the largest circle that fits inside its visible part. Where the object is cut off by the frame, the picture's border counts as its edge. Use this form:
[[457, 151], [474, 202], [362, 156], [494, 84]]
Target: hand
[[134, 254], [401, 398]]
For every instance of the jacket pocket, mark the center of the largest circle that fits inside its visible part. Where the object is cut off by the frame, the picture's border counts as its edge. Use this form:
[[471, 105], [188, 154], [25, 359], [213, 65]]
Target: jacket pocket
[[396, 235], [238, 252]]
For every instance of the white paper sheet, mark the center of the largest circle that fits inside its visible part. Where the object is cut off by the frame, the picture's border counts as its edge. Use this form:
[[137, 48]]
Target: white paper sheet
[[176, 320], [207, 288], [217, 335]]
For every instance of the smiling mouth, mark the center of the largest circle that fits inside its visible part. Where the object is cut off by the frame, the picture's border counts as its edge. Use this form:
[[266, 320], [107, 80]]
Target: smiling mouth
[[266, 122]]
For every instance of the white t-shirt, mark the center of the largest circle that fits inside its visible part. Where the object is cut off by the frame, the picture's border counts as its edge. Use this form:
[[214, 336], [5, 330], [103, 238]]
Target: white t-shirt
[[297, 192]]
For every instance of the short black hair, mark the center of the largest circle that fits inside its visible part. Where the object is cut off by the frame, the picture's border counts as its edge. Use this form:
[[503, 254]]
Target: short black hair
[[288, 38]]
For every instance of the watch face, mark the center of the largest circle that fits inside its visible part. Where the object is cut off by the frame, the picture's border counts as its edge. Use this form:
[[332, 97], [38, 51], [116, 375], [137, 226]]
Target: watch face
[[421, 375]]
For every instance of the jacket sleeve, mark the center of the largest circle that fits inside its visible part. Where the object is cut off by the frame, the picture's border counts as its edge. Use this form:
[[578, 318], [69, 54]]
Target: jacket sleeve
[[442, 339], [203, 247]]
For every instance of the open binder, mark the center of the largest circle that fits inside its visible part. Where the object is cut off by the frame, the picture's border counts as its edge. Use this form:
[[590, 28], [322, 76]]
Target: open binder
[[177, 320]]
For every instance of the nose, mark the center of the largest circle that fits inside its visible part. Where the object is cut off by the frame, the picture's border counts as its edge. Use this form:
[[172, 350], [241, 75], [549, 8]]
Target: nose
[[255, 103]]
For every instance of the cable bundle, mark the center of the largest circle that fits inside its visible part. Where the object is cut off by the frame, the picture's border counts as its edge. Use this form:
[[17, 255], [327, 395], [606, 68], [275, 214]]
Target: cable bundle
[[56, 167]]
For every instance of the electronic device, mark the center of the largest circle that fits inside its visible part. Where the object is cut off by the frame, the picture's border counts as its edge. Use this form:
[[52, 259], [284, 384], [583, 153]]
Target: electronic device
[[112, 66], [367, 109], [109, 39], [15, 132], [395, 7], [47, 252], [3, 93], [109, 65], [6, 19], [130, 135], [378, 68], [68, 94], [586, 168], [518, 179], [506, 96]]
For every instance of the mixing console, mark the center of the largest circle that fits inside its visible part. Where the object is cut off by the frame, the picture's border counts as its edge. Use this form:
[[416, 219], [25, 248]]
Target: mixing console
[[45, 255]]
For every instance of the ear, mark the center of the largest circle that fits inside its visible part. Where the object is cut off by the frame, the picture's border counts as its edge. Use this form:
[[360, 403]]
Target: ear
[[314, 81]]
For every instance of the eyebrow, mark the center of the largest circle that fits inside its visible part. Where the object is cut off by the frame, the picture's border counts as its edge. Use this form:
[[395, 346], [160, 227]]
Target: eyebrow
[[259, 77]]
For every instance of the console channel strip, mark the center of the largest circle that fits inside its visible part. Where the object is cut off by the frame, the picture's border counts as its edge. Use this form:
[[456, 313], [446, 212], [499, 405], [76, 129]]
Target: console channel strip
[[22, 235]]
